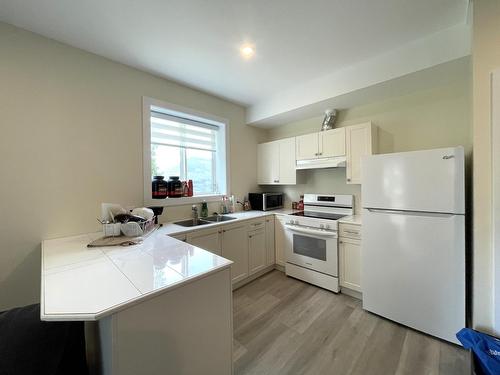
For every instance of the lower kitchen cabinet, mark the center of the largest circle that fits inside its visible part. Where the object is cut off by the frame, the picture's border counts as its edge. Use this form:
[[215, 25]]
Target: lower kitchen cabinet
[[257, 254], [235, 248], [208, 239], [270, 245], [283, 240], [249, 244], [350, 260]]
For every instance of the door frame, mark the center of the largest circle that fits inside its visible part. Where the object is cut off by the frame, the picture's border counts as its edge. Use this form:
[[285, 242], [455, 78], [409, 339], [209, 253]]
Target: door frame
[[495, 180]]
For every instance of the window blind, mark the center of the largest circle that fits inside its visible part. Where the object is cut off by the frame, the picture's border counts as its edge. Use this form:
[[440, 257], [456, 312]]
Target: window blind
[[180, 132]]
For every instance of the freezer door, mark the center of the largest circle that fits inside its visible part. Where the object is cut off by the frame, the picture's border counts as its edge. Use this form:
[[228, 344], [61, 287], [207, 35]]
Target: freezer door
[[428, 180], [413, 270]]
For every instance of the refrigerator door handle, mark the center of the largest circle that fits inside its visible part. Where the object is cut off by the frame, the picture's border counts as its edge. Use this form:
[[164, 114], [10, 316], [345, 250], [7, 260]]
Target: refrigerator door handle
[[412, 213]]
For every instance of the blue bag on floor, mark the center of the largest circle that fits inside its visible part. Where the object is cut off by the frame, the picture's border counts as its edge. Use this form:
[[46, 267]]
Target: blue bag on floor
[[486, 349]]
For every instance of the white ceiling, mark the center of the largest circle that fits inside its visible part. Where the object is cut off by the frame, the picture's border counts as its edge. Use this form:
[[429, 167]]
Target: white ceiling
[[196, 42]]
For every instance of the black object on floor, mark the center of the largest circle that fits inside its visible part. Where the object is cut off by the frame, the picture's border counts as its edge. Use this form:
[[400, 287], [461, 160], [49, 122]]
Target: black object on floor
[[30, 346]]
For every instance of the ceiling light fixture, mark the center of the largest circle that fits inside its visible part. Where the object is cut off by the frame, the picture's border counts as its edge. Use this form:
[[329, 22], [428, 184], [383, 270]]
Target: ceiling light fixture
[[247, 51]]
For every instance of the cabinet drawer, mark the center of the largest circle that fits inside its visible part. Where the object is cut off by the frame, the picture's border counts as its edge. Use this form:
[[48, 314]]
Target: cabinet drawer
[[256, 224], [350, 231]]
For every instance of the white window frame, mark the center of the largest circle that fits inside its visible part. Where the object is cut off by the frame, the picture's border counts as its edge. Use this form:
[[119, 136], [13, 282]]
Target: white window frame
[[191, 114]]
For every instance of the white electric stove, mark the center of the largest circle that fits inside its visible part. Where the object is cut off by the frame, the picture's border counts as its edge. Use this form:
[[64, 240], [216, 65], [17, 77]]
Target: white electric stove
[[313, 256]]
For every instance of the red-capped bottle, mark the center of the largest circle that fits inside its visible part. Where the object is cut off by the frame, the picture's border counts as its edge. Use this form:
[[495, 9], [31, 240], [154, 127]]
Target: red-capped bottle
[[190, 188]]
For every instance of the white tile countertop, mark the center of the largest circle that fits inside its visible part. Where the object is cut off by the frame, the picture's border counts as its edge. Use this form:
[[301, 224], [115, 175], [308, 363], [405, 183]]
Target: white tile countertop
[[172, 228], [353, 219], [81, 283]]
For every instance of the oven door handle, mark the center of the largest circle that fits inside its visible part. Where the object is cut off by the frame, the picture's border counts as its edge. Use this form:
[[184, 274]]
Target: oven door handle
[[313, 232]]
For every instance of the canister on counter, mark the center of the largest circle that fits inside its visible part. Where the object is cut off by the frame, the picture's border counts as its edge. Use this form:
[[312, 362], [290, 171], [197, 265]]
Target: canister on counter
[[159, 188]]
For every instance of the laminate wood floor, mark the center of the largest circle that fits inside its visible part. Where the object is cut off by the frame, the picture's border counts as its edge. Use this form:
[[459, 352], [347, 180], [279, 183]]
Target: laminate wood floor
[[285, 326]]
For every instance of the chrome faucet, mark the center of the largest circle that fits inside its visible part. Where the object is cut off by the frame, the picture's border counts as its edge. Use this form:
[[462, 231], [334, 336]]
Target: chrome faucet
[[194, 212]]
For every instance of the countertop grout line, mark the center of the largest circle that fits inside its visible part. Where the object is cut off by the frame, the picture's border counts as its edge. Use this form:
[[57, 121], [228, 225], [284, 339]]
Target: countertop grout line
[[123, 273]]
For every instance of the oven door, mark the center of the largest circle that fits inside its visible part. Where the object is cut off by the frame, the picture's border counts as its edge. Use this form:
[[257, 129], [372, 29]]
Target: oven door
[[313, 249]]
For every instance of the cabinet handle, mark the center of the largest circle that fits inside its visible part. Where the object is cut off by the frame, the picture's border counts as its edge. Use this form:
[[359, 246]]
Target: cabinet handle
[[276, 181], [320, 153], [249, 236], [351, 231], [348, 180]]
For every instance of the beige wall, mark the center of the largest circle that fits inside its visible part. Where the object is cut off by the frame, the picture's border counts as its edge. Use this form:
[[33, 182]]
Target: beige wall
[[71, 138], [486, 58], [439, 117]]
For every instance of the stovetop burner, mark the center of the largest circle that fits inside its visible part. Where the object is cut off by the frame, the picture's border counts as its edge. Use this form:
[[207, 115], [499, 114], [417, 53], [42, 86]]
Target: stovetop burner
[[319, 215]]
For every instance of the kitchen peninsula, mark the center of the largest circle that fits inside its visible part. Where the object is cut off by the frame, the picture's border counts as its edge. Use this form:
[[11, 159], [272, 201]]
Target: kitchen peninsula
[[162, 306]]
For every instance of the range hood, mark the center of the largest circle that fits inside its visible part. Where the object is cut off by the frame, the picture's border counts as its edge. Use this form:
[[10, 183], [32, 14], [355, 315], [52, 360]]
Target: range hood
[[333, 162]]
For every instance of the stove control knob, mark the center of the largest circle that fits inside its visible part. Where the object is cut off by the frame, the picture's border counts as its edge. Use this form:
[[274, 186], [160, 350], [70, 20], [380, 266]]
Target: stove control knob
[[327, 227], [321, 226]]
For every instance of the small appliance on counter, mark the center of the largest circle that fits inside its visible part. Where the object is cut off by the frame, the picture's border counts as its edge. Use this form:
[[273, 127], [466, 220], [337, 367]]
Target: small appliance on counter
[[266, 201]]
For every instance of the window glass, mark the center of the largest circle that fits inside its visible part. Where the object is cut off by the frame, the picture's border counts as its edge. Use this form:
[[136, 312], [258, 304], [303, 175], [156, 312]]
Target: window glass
[[189, 149], [200, 169]]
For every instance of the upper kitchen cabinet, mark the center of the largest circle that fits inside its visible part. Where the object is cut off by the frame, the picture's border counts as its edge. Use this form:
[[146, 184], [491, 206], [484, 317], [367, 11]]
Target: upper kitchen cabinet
[[324, 149], [360, 140], [276, 162], [307, 146], [325, 144], [332, 143]]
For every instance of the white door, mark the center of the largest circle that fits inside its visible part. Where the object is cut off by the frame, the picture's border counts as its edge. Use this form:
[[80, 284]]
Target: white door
[[208, 239], [283, 240], [359, 143], [332, 143], [270, 246], [235, 248], [413, 270], [287, 172], [257, 254], [428, 180], [268, 163], [307, 146], [350, 263]]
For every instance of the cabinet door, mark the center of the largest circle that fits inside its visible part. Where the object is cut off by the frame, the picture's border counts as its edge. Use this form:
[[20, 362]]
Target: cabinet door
[[350, 263], [332, 143], [287, 172], [359, 140], [268, 163], [209, 240], [256, 251], [235, 248], [307, 146], [270, 246], [283, 241]]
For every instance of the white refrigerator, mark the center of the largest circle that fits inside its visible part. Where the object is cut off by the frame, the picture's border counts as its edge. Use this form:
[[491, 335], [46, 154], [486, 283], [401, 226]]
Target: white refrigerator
[[413, 247]]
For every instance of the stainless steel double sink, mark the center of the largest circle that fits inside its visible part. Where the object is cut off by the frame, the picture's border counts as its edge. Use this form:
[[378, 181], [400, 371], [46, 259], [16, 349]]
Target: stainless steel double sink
[[204, 221]]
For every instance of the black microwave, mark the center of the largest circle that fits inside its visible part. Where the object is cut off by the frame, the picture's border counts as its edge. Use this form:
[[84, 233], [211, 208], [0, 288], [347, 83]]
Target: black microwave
[[266, 201]]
